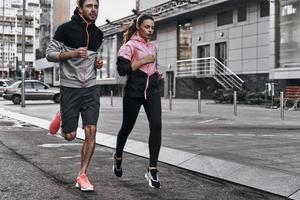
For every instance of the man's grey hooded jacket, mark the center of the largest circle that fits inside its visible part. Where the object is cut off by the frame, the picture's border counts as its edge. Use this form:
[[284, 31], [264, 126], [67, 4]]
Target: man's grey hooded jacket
[[76, 72]]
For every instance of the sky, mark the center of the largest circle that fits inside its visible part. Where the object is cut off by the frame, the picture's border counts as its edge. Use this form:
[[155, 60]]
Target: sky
[[112, 10]]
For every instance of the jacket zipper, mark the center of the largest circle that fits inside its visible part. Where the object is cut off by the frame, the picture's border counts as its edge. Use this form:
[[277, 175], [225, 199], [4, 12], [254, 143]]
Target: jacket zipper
[[86, 60], [147, 85]]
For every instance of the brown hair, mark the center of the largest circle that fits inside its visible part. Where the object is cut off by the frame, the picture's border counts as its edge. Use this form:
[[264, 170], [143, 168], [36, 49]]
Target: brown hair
[[81, 2], [131, 29]]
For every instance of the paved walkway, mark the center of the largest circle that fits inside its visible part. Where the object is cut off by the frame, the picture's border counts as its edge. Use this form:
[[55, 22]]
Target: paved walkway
[[33, 161], [255, 148]]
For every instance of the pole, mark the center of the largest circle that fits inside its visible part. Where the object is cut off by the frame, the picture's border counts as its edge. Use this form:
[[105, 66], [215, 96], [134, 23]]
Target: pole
[[3, 39], [234, 103], [23, 54], [272, 94], [111, 98], [199, 102], [170, 100], [100, 57], [281, 106], [108, 57]]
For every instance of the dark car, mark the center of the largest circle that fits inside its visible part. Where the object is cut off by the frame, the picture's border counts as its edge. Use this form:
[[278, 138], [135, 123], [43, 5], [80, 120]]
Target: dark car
[[4, 84], [34, 90]]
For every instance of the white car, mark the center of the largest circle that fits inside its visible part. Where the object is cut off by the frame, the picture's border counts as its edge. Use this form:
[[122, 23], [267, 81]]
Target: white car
[[4, 84], [34, 90]]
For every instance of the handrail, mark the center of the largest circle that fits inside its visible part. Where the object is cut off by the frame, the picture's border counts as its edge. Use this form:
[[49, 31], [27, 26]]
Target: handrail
[[233, 80], [228, 70], [209, 66]]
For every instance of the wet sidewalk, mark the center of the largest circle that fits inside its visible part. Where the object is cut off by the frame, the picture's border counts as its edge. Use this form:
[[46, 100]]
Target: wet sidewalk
[[36, 165], [255, 148]]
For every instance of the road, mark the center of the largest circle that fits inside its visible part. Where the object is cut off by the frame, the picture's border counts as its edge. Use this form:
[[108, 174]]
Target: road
[[251, 138], [36, 165]]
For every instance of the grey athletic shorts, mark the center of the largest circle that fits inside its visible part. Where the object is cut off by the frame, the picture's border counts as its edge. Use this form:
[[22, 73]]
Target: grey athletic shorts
[[75, 101]]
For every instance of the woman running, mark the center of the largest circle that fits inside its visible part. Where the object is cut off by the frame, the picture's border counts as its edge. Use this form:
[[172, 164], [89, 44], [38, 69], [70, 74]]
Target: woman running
[[137, 61]]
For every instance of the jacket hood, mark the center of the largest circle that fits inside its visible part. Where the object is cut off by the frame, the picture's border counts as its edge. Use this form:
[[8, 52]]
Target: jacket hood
[[77, 18]]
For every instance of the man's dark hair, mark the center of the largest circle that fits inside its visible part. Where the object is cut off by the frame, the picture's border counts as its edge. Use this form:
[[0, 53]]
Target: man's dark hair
[[81, 2]]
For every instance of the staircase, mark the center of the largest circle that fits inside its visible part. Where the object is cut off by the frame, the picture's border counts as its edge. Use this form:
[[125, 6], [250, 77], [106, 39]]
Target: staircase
[[209, 67]]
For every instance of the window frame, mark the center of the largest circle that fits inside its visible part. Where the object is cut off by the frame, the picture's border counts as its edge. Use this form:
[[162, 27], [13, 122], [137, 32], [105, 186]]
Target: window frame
[[264, 12], [220, 15], [245, 13]]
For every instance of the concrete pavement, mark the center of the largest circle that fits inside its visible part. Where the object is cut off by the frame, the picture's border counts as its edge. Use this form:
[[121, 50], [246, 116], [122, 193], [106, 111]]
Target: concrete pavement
[[256, 148], [36, 165]]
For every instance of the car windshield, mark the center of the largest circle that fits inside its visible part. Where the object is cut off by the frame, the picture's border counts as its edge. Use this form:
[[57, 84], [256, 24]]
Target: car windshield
[[16, 84], [5, 83], [9, 83]]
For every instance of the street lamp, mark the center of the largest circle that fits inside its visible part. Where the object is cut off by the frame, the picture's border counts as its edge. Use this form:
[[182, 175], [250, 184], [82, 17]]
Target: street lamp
[[135, 12], [3, 39], [23, 55]]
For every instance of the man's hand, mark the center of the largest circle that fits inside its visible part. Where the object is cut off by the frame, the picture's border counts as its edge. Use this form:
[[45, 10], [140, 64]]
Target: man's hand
[[77, 53], [81, 53], [98, 63]]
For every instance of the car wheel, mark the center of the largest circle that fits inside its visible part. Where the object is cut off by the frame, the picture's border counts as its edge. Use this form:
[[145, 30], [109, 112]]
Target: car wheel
[[16, 99], [56, 98]]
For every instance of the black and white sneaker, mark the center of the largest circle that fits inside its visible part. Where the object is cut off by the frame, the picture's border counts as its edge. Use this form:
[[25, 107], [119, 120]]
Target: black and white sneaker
[[117, 166], [152, 177]]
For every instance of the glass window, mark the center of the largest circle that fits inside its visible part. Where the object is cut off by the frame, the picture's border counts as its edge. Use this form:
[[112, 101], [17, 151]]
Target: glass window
[[224, 18], [242, 14], [108, 52], [289, 33], [37, 85], [184, 30], [27, 85], [264, 8]]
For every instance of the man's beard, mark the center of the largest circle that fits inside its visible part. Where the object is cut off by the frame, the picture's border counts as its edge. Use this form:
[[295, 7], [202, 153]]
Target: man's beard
[[87, 19]]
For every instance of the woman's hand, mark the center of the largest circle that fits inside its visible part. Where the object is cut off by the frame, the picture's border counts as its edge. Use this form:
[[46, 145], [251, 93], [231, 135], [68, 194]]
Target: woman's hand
[[146, 60], [149, 59], [160, 74]]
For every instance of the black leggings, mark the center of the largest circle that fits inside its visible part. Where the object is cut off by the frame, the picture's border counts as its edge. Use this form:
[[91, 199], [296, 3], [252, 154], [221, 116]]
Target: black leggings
[[131, 108]]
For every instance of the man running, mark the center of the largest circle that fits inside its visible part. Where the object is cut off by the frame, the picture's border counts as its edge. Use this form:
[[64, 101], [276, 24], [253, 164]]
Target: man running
[[74, 46]]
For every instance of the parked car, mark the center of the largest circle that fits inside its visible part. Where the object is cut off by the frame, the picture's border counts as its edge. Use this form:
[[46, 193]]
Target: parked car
[[4, 84], [34, 90]]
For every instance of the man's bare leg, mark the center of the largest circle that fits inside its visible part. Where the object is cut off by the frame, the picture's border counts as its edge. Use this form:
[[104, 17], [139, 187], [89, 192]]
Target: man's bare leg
[[88, 147]]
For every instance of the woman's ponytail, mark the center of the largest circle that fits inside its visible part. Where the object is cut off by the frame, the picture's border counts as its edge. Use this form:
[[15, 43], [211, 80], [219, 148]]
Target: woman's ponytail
[[129, 31]]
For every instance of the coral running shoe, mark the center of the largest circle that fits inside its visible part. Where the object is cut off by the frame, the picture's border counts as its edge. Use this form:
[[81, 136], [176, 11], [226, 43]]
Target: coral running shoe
[[84, 184], [55, 124]]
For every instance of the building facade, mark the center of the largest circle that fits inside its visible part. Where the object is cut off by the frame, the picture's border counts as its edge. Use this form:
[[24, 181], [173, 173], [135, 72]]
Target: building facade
[[257, 40], [55, 12], [11, 37]]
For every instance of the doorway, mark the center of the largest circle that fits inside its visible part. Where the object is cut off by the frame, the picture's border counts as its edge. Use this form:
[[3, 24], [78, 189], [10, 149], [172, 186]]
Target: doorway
[[203, 65], [221, 52]]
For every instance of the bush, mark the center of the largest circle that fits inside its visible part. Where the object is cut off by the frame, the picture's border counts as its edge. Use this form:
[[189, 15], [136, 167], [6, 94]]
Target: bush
[[255, 97], [226, 96]]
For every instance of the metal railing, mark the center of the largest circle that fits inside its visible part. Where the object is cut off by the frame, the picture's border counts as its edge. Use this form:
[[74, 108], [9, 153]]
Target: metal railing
[[209, 67]]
